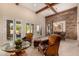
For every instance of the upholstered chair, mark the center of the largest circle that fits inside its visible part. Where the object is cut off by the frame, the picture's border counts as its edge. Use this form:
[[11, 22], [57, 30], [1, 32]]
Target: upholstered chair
[[53, 45], [29, 37]]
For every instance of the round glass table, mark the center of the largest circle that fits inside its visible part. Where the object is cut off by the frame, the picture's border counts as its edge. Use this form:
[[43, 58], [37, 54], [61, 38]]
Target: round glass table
[[10, 48]]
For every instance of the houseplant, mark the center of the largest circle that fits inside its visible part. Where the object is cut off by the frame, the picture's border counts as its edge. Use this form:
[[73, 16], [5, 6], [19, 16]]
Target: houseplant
[[18, 43]]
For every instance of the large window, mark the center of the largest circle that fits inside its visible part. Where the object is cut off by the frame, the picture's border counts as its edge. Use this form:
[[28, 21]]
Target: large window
[[10, 29], [18, 29], [29, 28], [48, 29], [13, 29], [32, 28], [39, 30]]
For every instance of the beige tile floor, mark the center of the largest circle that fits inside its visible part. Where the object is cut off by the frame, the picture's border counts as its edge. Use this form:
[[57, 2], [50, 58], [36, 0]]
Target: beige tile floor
[[67, 48]]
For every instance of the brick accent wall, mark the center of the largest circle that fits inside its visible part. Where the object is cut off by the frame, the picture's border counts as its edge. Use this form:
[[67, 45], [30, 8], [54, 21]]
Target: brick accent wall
[[70, 16]]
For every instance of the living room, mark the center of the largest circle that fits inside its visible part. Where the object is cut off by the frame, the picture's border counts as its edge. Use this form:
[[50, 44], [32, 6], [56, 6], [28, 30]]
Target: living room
[[41, 20]]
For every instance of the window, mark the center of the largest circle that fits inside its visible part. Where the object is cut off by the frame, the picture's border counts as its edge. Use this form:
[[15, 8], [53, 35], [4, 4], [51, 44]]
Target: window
[[18, 29], [32, 28], [39, 30], [48, 29], [13, 29], [10, 29], [29, 28]]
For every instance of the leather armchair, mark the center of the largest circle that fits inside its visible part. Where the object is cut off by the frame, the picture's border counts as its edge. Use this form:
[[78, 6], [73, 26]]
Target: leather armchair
[[53, 46]]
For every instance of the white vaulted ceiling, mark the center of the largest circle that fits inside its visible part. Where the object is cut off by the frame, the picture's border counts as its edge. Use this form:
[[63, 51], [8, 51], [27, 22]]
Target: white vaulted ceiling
[[58, 7], [33, 6], [64, 6], [47, 12]]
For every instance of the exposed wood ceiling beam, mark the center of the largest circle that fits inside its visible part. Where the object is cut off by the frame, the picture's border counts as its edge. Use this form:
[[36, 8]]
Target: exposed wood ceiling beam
[[17, 3], [51, 7], [44, 8]]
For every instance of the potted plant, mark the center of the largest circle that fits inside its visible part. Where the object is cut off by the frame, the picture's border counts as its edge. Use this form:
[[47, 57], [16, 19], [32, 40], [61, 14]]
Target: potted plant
[[18, 43]]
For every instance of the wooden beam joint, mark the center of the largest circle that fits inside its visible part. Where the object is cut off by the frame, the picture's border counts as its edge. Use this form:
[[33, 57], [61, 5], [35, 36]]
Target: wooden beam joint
[[46, 7]]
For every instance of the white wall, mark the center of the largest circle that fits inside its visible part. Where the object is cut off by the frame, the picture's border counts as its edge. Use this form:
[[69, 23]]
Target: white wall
[[11, 11]]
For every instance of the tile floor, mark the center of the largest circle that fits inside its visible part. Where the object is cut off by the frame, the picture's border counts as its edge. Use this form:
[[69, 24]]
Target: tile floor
[[67, 48]]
